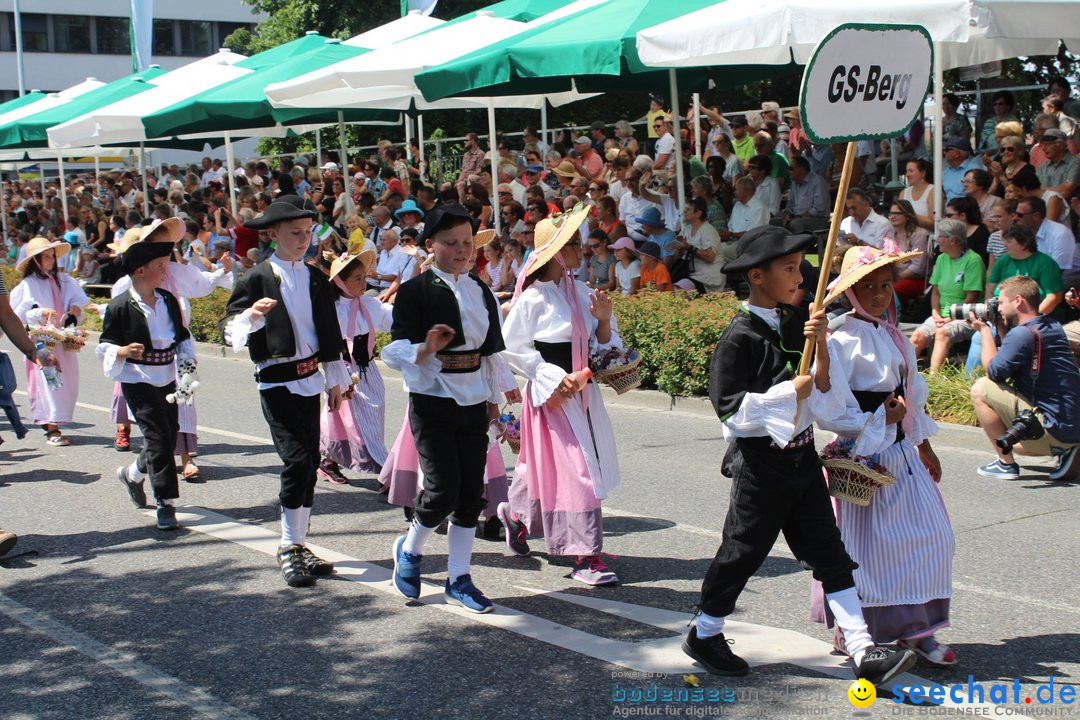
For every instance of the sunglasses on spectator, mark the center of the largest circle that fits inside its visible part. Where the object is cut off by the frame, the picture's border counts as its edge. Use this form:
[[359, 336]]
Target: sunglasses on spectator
[[593, 246], [1008, 150], [896, 214], [593, 188], [953, 214], [658, 125], [1017, 213]]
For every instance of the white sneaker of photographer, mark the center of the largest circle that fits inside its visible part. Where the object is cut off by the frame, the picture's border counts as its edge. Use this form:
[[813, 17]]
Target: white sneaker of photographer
[[1068, 465]]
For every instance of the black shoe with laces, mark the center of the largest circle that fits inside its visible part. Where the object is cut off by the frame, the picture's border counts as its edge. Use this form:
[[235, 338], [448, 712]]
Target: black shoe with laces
[[315, 564], [135, 490], [166, 518], [882, 664], [714, 654], [293, 568]]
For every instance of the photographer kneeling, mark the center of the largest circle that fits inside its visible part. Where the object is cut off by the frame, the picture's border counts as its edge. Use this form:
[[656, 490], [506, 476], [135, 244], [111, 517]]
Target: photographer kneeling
[[1038, 412]]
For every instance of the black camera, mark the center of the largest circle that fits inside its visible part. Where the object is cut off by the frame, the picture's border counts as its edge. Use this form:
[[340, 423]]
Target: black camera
[[1025, 427], [988, 311]]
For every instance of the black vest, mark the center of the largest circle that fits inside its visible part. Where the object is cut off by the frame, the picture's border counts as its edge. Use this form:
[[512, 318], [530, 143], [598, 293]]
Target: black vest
[[126, 324], [426, 301], [275, 339]]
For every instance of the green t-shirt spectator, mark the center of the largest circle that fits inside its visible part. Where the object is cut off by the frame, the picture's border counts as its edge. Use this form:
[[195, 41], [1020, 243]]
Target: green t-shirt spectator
[[1040, 267], [956, 278]]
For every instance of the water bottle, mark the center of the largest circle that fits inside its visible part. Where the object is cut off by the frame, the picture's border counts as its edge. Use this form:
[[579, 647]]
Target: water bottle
[[52, 376]]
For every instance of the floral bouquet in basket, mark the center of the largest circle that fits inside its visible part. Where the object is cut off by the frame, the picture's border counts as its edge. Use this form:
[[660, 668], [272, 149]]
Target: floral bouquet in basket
[[617, 368], [853, 479], [511, 434]]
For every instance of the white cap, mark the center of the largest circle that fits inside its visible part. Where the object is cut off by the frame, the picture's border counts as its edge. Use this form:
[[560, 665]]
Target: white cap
[[330, 166]]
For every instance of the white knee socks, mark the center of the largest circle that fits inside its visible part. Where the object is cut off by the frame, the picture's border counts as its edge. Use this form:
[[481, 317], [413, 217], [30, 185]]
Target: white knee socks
[[418, 535], [133, 472], [294, 522], [847, 610], [460, 541], [708, 625]]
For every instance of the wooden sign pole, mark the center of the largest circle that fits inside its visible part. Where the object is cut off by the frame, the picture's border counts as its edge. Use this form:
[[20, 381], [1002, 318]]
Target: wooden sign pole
[[825, 266]]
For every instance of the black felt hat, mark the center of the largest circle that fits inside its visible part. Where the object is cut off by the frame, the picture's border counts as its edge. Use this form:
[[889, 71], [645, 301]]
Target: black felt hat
[[288, 207], [141, 253], [445, 215], [761, 244]]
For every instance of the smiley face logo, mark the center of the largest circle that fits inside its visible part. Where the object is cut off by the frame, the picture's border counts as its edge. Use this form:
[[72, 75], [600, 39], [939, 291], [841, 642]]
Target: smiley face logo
[[862, 693]]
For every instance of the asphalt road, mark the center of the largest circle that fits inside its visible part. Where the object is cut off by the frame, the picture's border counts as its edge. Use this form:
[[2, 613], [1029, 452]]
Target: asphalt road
[[101, 616]]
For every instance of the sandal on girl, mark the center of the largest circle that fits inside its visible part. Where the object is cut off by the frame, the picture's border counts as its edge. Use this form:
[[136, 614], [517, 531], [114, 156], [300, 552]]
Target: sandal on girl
[[931, 650], [56, 439], [192, 474]]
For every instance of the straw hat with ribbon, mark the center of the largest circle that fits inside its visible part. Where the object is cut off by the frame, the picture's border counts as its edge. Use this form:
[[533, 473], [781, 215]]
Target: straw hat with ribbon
[[864, 260], [552, 234], [366, 258], [169, 230], [567, 169], [127, 240], [39, 245]]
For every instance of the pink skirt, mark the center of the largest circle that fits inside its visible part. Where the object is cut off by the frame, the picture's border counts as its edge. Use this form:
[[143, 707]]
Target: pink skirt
[[553, 490], [118, 412], [353, 435], [401, 478]]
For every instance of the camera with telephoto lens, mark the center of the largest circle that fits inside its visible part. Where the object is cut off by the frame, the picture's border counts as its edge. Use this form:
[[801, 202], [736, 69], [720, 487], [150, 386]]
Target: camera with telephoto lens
[[1025, 427], [988, 311]]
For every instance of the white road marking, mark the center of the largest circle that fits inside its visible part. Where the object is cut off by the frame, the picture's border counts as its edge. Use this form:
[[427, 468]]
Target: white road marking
[[123, 663], [760, 645]]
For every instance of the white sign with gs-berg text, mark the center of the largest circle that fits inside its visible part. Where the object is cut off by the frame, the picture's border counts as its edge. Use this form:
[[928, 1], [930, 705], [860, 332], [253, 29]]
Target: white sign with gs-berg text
[[865, 81]]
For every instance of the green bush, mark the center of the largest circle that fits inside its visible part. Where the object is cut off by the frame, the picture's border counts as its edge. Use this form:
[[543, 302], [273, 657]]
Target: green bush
[[950, 395], [675, 334]]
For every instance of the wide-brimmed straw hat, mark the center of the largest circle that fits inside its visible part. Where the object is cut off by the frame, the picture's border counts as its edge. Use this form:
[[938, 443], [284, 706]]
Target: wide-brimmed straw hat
[[39, 245], [552, 233], [127, 240], [168, 230], [864, 260], [482, 238], [567, 169], [366, 258]]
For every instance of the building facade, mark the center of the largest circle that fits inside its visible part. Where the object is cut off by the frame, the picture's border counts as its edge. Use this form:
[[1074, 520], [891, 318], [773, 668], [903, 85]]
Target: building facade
[[67, 41]]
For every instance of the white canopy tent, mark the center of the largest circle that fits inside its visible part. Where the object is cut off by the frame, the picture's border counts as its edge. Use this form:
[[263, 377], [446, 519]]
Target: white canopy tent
[[50, 101], [965, 32], [384, 78]]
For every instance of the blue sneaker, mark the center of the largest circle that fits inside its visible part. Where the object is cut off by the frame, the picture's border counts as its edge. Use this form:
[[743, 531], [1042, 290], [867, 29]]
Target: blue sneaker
[[406, 570], [1000, 471], [1068, 465], [462, 592]]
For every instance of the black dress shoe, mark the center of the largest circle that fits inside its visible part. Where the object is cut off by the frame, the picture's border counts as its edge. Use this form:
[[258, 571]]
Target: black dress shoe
[[315, 564], [135, 490], [882, 664], [714, 654], [166, 518], [293, 568]]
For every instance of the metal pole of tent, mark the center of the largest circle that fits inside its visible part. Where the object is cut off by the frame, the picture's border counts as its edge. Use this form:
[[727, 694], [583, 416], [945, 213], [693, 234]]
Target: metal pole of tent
[[408, 135], [938, 141], [543, 127], [341, 141], [419, 135], [698, 150], [494, 162], [438, 164], [230, 159], [142, 174], [680, 181], [97, 167], [63, 186], [4, 207], [318, 148]]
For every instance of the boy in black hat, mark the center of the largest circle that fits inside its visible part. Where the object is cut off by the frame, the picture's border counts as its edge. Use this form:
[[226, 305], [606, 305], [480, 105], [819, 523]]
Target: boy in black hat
[[142, 338], [778, 483], [283, 311], [447, 336]]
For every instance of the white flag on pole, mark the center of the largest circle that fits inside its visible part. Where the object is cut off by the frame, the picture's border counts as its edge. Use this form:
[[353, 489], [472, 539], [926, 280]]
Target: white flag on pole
[[141, 33]]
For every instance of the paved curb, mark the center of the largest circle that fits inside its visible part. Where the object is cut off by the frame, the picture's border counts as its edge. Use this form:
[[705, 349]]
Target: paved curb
[[639, 399]]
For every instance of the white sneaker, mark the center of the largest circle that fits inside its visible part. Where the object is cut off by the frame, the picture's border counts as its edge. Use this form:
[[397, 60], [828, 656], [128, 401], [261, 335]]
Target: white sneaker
[[592, 570]]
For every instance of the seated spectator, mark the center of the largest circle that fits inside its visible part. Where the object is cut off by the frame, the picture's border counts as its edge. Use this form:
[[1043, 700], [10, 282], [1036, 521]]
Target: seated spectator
[[709, 254], [702, 187], [357, 231], [1012, 167], [958, 160], [607, 218], [1022, 257], [959, 276], [633, 205], [765, 146], [654, 274], [906, 233], [977, 187], [1054, 239], [390, 265], [90, 268], [1000, 218], [601, 265], [767, 188], [627, 266], [747, 213], [653, 226], [863, 226], [808, 205], [1002, 104], [953, 124], [660, 189], [966, 209], [1010, 387], [496, 272], [1061, 171]]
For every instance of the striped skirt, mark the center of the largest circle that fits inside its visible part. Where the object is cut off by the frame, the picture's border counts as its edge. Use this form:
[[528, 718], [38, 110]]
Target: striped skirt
[[903, 543], [353, 435]]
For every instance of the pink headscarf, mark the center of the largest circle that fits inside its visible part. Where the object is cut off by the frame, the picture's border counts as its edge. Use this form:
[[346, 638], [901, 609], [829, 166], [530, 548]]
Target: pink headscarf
[[354, 306]]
